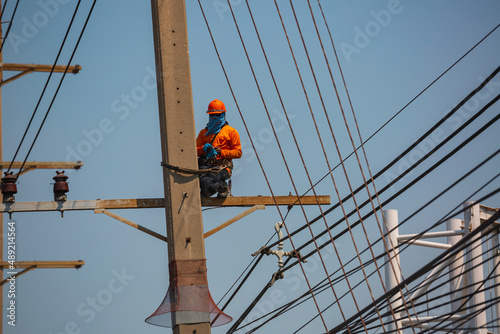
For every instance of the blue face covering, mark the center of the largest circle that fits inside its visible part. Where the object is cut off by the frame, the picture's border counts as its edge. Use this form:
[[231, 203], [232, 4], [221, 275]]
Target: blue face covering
[[215, 123]]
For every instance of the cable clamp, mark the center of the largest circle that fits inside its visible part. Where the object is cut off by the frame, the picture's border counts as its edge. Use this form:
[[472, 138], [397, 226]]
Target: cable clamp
[[280, 253], [276, 276], [298, 256], [264, 250]]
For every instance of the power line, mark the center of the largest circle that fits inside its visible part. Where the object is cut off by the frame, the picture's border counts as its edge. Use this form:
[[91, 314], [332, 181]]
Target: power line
[[60, 84], [291, 128], [46, 85], [433, 263], [457, 109], [328, 211], [336, 147], [338, 279], [220, 59], [445, 158], [425, 173], [406, 105], [318, 286], [417, 142], [352, 142], [437, 286], [3, 11], [373, 134], [10, 24], [370, 316], [443, 219], [478, 289], [426, 268], [398, 247], [281, 152]]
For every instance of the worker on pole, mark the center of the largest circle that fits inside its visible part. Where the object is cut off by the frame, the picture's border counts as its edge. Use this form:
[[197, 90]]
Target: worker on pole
[[217, 145]]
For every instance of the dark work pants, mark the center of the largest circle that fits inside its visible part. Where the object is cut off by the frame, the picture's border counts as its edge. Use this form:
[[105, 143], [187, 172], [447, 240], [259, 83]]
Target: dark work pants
[[212, 183]]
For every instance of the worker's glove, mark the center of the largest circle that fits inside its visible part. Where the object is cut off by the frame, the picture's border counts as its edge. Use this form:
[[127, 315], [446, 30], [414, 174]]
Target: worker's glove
[[207, 147], [210, 151]]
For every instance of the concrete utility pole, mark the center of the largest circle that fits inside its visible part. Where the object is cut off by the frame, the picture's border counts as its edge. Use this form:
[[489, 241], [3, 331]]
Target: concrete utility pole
[[186, 249]]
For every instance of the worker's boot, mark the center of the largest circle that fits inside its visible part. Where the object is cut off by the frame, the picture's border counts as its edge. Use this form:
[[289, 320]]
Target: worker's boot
[[223, 191], [208, 191]]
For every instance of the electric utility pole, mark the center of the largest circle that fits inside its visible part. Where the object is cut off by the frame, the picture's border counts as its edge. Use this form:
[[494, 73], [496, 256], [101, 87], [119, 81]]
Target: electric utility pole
[[186, 249], [26, 69]]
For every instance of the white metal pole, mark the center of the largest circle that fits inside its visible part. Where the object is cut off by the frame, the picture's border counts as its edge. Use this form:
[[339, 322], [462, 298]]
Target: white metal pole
[[434, 274], [430, 244], [392, 270], [495, 245], [456, 268], [475, 269]]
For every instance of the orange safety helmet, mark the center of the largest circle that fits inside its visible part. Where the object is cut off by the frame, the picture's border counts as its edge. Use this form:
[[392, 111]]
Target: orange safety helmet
[[216, 107]]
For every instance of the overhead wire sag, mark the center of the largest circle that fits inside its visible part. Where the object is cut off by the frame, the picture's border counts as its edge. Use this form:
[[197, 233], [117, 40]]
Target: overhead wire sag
[[239, 110], [336, 145], [400, 110], [451, 214], [446, 157], [425, 173], [415, 144], [46, 85], [283, 158], [425, 268], [407, 104], [354, 148], [60, 84], [319, 136], [294, 137], [470, 95], [408, 219]]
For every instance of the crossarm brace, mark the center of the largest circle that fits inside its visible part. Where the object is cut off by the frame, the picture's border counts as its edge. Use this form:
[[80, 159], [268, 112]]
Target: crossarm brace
[[17, 275], [234, 219], [132, 224]]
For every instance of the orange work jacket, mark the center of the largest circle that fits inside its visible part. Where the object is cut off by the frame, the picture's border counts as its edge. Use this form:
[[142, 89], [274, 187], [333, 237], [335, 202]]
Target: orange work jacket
[[228, 139]]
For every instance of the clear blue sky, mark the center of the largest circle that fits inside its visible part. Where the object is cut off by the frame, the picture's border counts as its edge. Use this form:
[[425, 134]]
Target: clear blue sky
[[107, 116]]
